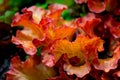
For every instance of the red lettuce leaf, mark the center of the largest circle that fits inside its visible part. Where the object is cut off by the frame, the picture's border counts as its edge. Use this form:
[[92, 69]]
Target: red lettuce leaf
[[96, 6], [88, 23]]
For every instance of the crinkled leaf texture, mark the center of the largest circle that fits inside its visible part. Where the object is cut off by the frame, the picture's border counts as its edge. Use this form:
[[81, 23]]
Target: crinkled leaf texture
[[25, 41], [73, 45], [87, 24], [31, 69], [59, 66], [76, 48], [109, 63], [39, 26], [114, 26], [31, 30], [83, 47]]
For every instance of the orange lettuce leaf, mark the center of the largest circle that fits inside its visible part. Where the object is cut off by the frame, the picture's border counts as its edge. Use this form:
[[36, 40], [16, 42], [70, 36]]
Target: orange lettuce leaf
[[76, 48], [31, 69], [88, 23], [37, 13], [68, 32], [79, 71], [56, 11], [56, 7], [59, 68], [53, 25], [32, 29], [25, 41], [53, 15], [57, 33], [72, 49], [52, 36], [26, 21], [54, 31], [109, 63], [96, 6]]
